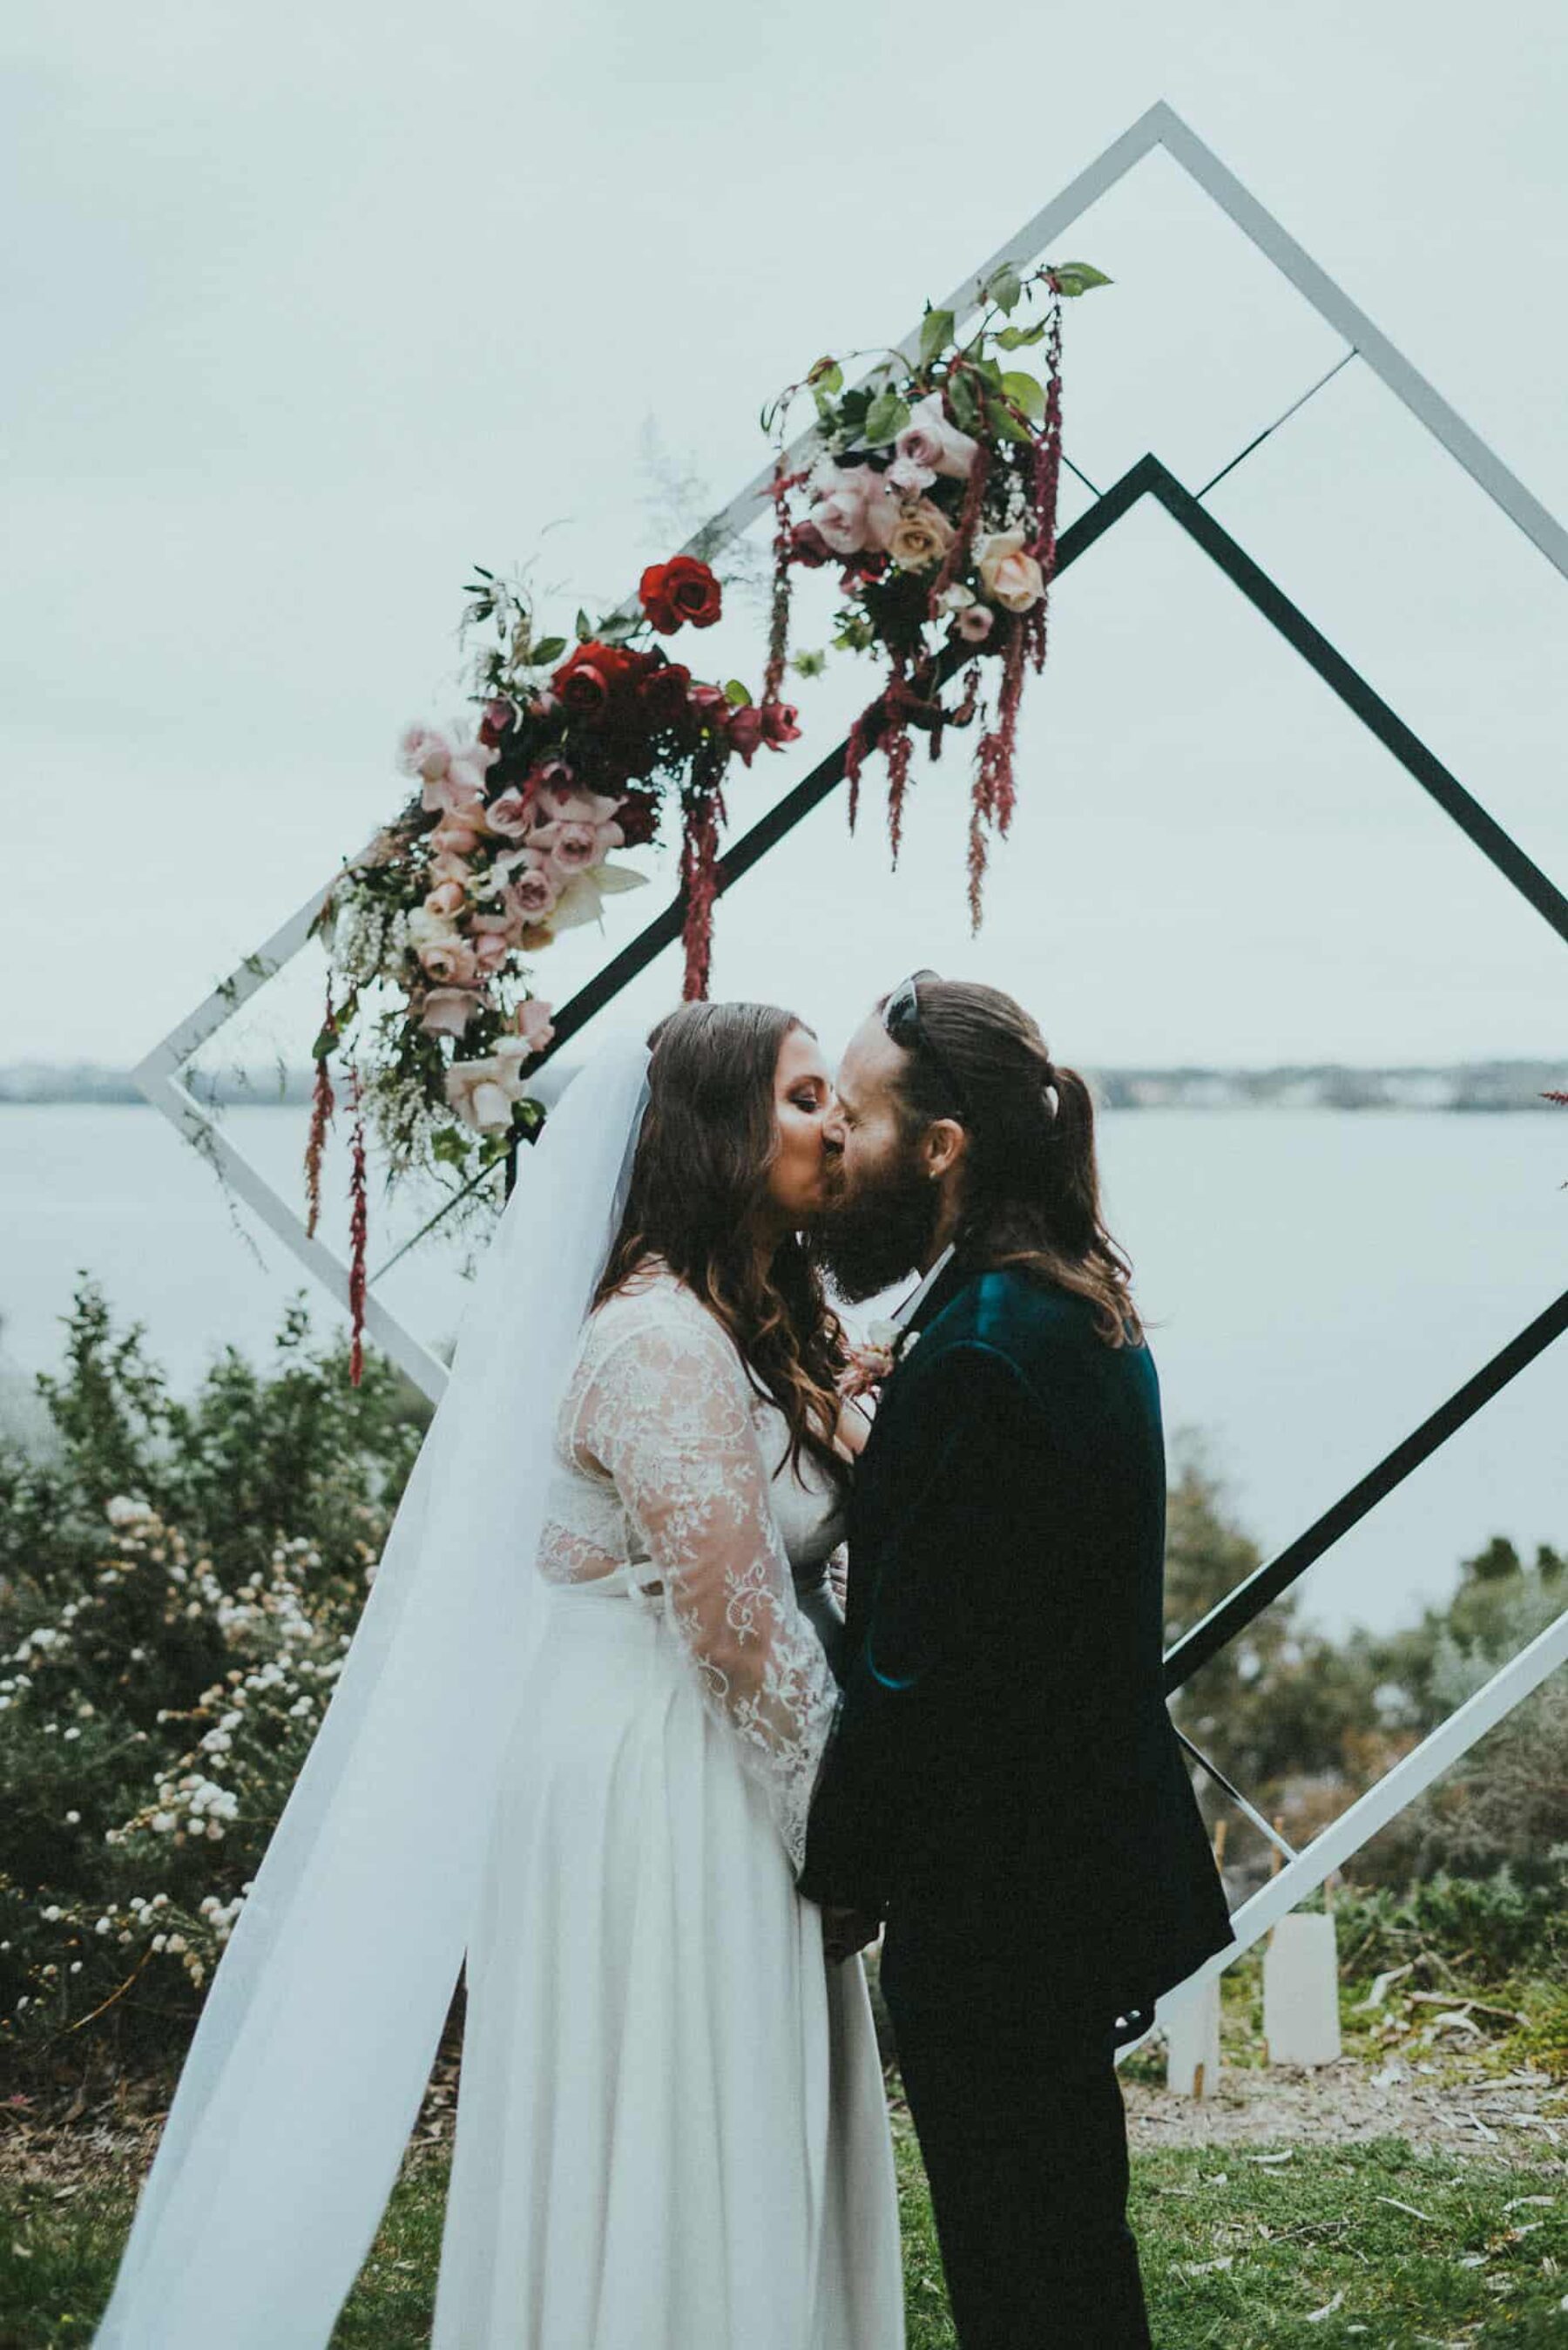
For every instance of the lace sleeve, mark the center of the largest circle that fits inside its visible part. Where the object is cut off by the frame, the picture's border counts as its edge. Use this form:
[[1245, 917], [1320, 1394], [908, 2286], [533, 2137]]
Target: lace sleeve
[[663, 1406]]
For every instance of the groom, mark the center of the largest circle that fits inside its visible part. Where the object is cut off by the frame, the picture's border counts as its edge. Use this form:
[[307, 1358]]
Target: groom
[[1002, 1783]]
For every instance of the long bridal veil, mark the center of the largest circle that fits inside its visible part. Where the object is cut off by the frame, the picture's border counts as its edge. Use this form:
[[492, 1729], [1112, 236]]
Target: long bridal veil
[[316, 2039]]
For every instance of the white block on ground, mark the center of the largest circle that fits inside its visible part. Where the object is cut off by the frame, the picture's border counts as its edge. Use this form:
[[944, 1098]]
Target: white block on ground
[[1300, 1991], [1192, 2041]]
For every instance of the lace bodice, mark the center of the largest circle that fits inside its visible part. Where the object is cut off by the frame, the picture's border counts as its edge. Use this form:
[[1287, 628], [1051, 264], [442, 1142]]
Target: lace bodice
[[664, 1456]]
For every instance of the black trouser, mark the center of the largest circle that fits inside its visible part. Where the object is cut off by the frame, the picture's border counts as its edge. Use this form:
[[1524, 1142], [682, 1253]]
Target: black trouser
[[1023, 2136]]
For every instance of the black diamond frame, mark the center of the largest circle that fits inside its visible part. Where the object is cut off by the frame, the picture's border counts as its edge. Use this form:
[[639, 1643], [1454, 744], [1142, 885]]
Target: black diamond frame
[[1150, 478]]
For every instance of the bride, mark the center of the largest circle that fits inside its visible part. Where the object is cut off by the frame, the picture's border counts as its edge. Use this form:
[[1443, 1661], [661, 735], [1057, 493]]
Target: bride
[[591, 1776]]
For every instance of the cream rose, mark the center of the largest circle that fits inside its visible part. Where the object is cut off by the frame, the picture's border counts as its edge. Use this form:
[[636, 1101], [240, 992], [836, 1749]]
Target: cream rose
[[1009, 576], [921, 536]]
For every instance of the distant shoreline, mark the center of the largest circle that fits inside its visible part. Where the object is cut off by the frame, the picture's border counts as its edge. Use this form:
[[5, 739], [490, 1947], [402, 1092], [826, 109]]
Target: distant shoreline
[[1465, 1086]]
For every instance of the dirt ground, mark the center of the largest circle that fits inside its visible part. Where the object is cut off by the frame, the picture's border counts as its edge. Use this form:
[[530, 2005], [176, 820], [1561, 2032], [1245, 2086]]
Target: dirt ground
[[1521, 2115], [108, 2133]]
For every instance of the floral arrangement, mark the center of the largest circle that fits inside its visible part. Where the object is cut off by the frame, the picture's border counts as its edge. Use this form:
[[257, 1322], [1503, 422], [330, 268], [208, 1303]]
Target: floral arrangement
[[934, 489], [509, 840], [936, 492]]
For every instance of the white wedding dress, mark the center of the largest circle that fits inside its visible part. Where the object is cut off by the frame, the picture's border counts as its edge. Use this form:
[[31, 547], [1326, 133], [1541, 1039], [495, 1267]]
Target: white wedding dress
[[671, 2132]]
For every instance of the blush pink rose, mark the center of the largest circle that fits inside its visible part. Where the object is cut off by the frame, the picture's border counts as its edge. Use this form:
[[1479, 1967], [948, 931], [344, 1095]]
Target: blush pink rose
[[491, 949], [446, 898], [928, 438], [533, 1023], [532, 891], [974, 623], [454, 837], [856, 510], [449, 869], [511, 815], [450, 962], [449, 1010], [906, 475], [561, 803], [424, 750], [454, 792], [574, 848], [504, 925]]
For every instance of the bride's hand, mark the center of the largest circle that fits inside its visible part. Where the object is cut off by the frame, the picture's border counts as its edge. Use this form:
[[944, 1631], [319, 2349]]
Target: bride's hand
[[845, 1932]]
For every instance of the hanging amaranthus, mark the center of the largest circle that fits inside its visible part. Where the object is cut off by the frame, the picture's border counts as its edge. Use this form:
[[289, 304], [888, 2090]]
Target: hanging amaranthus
[[359, 1234], [323, 1102]]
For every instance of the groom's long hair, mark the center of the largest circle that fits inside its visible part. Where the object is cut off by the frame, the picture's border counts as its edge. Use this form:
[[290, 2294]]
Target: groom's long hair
[[697, 1180], [1031, 1189]]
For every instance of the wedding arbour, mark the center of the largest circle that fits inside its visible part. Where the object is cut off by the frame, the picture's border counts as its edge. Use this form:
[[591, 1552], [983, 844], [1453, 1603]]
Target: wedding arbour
[[161, 1076]]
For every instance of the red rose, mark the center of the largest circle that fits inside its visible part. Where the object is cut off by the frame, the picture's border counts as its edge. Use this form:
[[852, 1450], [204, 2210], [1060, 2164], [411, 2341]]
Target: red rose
[[681, 589], [593, 677], [661, 695], [710, 703], [781, 724]]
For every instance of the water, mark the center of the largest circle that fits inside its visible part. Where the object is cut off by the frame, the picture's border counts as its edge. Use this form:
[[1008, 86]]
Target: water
[[1316, 1283]]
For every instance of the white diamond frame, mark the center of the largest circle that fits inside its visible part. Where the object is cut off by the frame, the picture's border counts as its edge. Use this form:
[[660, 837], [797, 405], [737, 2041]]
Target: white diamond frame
[[160, 1076]]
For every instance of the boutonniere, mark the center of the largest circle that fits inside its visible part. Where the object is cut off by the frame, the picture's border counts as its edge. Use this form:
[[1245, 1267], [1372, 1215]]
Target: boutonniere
[[874, 1359]]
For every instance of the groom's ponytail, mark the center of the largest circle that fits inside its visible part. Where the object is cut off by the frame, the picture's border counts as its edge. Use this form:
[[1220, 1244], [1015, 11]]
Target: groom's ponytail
[[1031, 1190]]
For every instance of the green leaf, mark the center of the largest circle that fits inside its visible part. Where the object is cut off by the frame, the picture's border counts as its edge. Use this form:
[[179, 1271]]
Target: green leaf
[[1012, 338], [936, 334], [1003, 286], [886, 418], [585, 628], [481, 573], [964, 402], [1002, 421], [854, 405], [826, 376], [548, 649], [1026, 393], [736, 694], [989, 369], [1078, 277]]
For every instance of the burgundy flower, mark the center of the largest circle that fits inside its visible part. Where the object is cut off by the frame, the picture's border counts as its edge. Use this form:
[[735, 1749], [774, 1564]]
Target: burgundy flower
[[497, 722], [745, 730], [807, 545], [781, 724], [661, 694]]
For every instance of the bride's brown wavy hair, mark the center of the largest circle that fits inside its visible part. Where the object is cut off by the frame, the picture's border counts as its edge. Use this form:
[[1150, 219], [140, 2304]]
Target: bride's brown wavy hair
[[698, 1182]]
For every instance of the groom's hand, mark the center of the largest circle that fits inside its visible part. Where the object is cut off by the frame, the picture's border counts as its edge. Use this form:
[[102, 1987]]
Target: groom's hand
[[845, 1932]]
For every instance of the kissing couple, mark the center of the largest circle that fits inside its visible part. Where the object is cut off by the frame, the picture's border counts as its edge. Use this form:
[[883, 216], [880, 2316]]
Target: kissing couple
[[605, 1739]]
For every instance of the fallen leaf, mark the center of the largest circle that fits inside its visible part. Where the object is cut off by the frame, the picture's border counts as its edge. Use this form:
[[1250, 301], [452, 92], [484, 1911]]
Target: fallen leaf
[[1395, 2204], [1316, 2316]]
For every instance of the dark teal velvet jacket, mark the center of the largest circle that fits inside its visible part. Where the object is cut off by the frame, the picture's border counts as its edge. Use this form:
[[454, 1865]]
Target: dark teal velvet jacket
[[1002, 1779]]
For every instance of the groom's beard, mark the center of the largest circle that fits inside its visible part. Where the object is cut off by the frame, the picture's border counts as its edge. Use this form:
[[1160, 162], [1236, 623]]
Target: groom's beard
[[871, 1237]]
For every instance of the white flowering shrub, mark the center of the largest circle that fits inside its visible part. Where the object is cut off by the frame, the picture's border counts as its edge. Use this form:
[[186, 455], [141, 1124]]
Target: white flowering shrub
[[177, 1585]]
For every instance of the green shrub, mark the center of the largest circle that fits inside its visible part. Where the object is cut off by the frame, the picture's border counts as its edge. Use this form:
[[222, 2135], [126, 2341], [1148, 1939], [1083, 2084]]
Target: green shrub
[[1497, 1926], [178, 1584]]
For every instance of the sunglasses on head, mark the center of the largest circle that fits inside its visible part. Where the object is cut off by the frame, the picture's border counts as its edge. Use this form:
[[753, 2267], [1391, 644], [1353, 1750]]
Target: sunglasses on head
[[902, 1020]]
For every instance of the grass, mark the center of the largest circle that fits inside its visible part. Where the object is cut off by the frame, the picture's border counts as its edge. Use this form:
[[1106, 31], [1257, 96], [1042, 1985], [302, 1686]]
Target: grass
[[1374, 2245]]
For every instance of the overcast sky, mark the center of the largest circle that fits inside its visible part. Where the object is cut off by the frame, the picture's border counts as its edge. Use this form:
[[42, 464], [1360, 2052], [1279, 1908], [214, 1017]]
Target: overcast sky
[[314, 307]]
